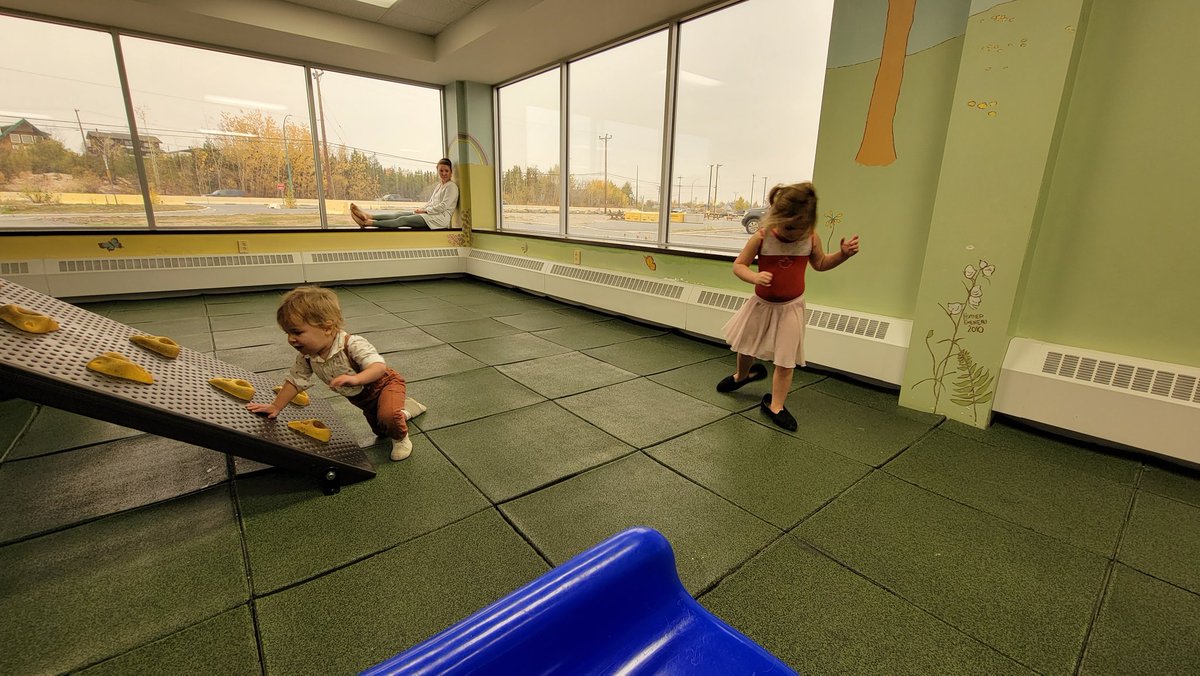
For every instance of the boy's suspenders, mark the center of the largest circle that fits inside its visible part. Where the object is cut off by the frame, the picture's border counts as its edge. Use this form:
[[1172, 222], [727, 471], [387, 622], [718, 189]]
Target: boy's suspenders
[[346, 349]]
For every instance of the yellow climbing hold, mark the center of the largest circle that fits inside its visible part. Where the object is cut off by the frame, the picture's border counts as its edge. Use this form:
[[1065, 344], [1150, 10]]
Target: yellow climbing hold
[[27, 320], [118, 365], [301, 399], [236, 386], [313, 428], [160, 344]]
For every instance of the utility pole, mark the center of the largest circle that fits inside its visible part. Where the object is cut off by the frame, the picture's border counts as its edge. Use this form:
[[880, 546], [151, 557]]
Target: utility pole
[[708, 197], [715, 180], [287, 157], [753, 182], [82, 136], [678, 191], [605, 138], [764, 201], [324, 139]]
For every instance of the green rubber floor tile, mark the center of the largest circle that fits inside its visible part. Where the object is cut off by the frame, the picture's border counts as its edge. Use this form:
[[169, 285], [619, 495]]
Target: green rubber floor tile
[[1022, 593], [876, 397], [174, 327], [820, 618], [599, 334], [657, 354], [249, 337], [402, 340], [49, 492], [471, 395], [353, 618], [53, 430], [510, 349], [383, 292], [376, 322], [565, 374], [73, 598], [414, 302], [264, 306], [700, 381], [1080, 455], [242, 321], [475, 329], [1019, 486], [197, 342], [158, 310], [1163, 540], [512, 453], [431, 362], [851, 429], [15, 416], [353, 311], [440, 315], [776, 477], [642, 413], [1145, 627], [542, 320], [294, 532], [503, 308], [226, 644], [710, 536], [1168, 481], [277, 355]]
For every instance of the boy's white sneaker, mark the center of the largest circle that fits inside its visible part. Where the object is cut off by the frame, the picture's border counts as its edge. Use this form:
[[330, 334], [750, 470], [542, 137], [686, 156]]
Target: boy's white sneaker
[[401, 448], [413, 408]]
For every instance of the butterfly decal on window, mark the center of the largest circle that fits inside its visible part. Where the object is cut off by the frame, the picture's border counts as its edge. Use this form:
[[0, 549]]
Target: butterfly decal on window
[[111, 245], [650, 263]]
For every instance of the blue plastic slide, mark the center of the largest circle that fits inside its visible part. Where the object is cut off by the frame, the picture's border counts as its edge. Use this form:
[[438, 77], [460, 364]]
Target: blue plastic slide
[[618, 607]]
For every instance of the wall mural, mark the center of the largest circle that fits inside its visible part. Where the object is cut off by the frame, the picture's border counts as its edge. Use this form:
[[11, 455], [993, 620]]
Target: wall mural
[[974, 385], [878, 146]]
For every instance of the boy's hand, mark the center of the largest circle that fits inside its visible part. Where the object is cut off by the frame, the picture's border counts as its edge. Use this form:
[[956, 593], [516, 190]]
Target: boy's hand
[[764, 279], [263, 409], [343, 381], [849, 247]]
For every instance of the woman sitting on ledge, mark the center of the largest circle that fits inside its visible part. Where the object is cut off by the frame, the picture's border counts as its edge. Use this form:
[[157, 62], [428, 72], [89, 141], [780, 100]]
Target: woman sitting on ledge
[[434, 216]]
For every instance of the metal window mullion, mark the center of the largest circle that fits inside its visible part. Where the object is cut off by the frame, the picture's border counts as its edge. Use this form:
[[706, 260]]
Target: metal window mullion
[[564, 170], [134, 137], [668, 146], [497, 173], [316, 147]]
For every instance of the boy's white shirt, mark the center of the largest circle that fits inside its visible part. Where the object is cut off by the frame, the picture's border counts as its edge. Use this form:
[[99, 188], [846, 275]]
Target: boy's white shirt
[[335, 363]]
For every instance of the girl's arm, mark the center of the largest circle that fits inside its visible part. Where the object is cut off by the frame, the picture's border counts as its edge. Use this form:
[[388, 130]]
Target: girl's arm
[[364, 377], [741, 265], [823, 261], [282, 399]]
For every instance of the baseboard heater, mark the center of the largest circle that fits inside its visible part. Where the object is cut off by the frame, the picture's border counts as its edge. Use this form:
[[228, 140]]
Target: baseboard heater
[[870, 346], [1149, 405]]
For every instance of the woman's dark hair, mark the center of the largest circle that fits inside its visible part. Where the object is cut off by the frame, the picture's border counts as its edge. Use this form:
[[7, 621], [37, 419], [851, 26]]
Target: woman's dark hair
[[446, 161]]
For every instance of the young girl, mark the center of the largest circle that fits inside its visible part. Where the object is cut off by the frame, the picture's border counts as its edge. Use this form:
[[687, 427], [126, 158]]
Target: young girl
[[434, 216], [312, 320], [770, 325]]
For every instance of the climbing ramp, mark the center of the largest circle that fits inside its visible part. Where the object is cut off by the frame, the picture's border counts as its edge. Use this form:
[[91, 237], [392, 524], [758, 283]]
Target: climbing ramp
[[51, 369]]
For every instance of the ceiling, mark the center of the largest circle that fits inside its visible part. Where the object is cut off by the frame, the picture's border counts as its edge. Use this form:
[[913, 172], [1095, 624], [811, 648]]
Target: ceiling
[[432, 41]]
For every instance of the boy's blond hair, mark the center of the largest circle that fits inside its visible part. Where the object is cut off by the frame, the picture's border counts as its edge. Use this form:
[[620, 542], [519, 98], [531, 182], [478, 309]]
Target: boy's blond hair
[[312, 305], [792, 203]]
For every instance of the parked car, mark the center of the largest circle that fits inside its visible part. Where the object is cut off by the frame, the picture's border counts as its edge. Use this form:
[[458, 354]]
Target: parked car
[[394, 197], [227, 192], [752, 219]]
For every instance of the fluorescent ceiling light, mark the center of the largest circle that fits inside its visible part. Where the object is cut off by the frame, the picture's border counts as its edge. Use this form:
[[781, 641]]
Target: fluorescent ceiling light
[[246, 103], [28, 116], [226, 133], [379, 3]]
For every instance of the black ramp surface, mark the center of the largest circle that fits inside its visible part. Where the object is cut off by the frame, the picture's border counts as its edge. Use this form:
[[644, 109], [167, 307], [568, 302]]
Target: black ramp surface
[[51, 369]]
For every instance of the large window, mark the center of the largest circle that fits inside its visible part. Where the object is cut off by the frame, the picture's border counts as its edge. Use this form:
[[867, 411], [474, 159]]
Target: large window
[[223, 140], [530, 180], [748, 104], [65, 151], [748, 81], [615, 156]]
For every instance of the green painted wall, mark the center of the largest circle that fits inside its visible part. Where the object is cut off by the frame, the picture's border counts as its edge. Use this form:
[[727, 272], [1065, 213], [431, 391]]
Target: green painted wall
[[1114, 265]]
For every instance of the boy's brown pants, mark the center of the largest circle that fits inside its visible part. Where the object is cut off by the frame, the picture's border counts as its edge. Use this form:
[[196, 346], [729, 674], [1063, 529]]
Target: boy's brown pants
[[381, 403]]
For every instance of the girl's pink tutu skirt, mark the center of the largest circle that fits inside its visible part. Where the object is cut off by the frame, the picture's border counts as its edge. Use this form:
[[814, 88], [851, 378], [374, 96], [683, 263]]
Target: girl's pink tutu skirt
[[771, 332]]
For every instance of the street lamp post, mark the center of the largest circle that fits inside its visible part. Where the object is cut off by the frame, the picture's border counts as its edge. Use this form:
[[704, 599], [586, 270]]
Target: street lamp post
[[605, 138], [764, 201], [287, 157], [708, 197], [715, 182]]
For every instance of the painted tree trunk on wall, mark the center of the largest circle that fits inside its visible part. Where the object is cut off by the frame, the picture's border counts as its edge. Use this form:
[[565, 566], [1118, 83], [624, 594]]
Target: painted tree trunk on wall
[[878, 146]]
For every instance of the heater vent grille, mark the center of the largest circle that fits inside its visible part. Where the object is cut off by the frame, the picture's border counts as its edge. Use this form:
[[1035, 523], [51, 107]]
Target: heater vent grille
[[172, 262], [18, 268], [847, 323], [503, 259], [619, 281], [1159, 383], [382, 255], [724, 301]]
